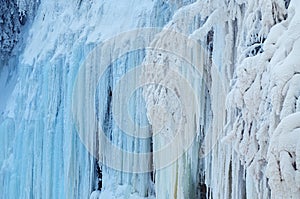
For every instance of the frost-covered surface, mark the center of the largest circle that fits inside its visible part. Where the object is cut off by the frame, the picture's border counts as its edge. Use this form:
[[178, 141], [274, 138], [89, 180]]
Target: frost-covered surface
[[13, 15], [10, 28], [260, 70], [246, 146], [265, 95]]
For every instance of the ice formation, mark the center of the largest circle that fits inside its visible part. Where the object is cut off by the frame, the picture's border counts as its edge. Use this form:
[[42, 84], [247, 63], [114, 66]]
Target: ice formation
[[225, 73]]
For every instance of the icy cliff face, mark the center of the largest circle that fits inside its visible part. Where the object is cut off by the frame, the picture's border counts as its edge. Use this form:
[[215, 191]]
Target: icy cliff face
[[205, 104], [43, 156]]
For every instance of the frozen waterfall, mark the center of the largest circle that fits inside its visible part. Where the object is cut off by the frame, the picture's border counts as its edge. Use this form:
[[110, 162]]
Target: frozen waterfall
[[150, 99]]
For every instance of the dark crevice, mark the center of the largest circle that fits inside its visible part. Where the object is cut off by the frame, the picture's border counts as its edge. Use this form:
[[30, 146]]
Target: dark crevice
[[287, 3], [210, 40], [22, 17], [152, 173], [99, 176], [230, 180], [79, 4], [204, 191], [256, 46]]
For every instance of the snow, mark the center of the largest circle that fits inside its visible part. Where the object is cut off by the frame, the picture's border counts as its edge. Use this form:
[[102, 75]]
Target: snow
[[267, 86]]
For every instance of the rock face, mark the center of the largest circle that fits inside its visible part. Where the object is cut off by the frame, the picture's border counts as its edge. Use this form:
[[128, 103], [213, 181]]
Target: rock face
[[156, 99]]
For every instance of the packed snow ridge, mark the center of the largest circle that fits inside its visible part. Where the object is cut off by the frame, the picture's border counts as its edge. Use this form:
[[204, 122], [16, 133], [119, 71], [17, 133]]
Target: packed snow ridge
[[224, 74]]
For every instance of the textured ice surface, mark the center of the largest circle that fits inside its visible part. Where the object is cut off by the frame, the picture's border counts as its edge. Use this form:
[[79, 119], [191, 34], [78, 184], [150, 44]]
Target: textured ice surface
[[246, 144]]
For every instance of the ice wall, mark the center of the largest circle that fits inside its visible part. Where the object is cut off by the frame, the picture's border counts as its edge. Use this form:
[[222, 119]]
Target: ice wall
[[258, 69], [42, 154], [244, 145]]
